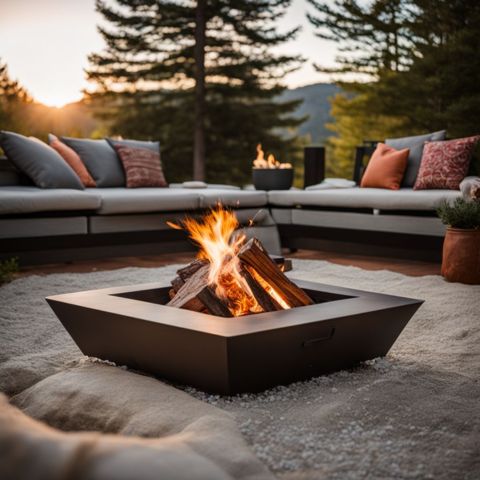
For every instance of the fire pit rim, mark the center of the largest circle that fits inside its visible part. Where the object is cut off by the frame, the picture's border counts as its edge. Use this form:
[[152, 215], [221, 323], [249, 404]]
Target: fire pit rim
[[110, 300]]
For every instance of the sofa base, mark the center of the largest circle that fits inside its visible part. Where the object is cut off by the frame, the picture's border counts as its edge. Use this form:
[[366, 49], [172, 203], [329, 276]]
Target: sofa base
[[362, 242], [70, 248]]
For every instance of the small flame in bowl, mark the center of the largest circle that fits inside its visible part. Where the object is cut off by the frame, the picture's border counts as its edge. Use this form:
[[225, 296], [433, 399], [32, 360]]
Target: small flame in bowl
[[270, 162]]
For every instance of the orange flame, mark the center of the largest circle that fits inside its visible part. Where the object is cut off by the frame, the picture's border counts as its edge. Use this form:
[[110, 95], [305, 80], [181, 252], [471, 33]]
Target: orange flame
[[216, 234], [270, 162]]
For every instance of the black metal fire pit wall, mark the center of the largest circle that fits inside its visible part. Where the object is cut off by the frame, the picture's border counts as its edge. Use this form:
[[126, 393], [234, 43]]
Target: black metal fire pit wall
[[132, 326]]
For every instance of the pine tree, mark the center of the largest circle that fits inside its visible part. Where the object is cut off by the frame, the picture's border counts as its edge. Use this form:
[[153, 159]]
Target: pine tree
[[14, 102], [201, 77], [422, 65]]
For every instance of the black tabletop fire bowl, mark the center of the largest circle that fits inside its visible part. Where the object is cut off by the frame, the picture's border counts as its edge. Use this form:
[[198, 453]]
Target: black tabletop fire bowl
[[132, 326]]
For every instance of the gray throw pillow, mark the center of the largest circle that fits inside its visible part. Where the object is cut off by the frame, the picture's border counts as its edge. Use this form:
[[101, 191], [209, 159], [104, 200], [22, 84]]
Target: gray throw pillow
[[415, 144], [153, 146], [41, 163], [100, 159]]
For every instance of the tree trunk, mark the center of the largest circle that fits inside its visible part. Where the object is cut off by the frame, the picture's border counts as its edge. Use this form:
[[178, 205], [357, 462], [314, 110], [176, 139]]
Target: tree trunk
[[199, 128]]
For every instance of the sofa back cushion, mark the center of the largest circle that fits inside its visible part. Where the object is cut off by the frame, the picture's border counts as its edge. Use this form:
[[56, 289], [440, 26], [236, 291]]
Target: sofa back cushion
[[386, 168], [72, 158], [143, 167], [11, 175], [100, 159], [415, 144], [41, 163], [445, 164]]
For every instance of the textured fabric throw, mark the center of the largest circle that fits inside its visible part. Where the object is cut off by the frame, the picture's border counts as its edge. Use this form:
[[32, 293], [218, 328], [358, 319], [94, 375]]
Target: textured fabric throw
[[143, 167], [445, 164], [73, 159], [386, 168]]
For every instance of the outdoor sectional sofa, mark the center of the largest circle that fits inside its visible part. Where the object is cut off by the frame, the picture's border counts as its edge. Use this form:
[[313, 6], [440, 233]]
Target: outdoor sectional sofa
[[53, 225]]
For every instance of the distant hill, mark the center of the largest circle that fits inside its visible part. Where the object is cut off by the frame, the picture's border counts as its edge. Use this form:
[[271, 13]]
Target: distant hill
[[316, 105], [76, 119]]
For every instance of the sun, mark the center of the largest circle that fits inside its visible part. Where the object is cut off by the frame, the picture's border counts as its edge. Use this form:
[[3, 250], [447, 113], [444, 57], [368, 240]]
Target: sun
[[56, 99]]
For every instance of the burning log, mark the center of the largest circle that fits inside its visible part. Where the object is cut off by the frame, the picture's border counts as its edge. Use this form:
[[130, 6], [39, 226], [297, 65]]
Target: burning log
[[267, 302], [254, 255], [195, 294], [184, 273], [233, 278]]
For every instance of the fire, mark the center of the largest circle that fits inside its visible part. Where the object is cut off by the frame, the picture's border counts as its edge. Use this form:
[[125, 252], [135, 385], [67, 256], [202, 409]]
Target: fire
[[270, 162], [219, 244]]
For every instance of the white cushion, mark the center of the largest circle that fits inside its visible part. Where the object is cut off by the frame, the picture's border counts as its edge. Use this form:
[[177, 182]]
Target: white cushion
[[378, 198], [19, 200]]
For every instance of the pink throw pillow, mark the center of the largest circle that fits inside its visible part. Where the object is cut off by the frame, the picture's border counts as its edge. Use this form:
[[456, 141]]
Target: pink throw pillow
[[445, 164]]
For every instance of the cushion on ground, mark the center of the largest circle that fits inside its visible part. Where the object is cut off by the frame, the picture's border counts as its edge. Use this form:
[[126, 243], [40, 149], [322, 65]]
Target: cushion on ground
[[20, 200], [232, 198], [141, 200], [184, 438], [100, 159], [403, 199], [415, 144], [41, 163]]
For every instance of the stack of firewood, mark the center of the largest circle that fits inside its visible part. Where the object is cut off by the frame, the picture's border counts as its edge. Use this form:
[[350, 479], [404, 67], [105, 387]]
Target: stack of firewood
[[191, 289]]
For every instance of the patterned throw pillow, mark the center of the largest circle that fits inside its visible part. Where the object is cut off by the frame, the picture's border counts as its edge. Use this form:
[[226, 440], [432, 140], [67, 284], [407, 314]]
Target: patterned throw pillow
[[143, 167], [445, 164]]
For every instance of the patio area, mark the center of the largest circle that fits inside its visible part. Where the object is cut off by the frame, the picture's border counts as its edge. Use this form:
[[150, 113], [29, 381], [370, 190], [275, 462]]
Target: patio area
[[239, 240]]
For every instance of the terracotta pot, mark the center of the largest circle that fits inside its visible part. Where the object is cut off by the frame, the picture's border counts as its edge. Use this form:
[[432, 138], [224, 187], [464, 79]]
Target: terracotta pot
[[461, 256]]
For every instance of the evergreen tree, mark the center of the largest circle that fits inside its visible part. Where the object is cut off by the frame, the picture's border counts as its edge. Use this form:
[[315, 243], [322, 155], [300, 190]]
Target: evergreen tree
[[201, 77], [429, 82], [14, 102]]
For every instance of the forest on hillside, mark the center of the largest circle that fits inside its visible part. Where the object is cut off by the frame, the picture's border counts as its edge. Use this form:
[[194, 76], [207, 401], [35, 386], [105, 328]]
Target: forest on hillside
[[203, 78]]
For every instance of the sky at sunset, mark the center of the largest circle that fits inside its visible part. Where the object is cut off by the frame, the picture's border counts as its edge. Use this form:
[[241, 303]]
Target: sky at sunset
[[45, 44]]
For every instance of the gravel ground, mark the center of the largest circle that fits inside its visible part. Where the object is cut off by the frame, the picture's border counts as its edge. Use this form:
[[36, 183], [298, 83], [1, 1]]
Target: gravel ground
[[413, 414]]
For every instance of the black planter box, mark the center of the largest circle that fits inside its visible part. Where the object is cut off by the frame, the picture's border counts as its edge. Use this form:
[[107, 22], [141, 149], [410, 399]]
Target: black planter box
[[272, 178], [132, 326]]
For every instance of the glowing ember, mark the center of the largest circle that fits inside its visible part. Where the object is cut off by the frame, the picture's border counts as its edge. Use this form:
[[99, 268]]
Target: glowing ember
[[219, 244], [270, 162]]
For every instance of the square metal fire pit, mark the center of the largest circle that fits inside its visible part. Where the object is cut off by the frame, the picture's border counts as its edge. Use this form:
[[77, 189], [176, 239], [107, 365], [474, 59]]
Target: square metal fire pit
[[132, 326]]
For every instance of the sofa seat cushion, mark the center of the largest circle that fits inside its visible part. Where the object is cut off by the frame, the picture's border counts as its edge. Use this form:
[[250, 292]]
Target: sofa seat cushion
[[21, 200], [142, 200], [352, 198], [209, 197]]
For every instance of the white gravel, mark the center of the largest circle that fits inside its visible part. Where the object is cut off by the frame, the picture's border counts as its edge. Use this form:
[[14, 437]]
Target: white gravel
[[414, 414]]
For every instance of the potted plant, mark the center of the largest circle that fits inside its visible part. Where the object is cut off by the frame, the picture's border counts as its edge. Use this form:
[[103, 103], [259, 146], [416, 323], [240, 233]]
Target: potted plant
[[461, 247], [270, 174]]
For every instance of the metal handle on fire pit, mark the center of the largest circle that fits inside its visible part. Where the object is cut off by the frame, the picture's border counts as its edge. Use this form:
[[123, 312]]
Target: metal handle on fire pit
[[313, 341]]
